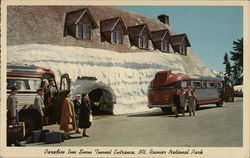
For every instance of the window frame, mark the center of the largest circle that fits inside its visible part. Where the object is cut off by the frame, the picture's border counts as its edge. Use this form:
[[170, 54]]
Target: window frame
[[143, 42], [117, 37], [164, 46], [82, 31]]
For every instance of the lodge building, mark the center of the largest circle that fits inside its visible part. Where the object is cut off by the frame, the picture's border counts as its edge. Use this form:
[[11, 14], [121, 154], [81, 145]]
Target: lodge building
[[81, 25]]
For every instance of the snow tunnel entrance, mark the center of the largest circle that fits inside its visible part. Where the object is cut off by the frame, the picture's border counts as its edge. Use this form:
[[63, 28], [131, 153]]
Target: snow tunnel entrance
[[104, 98], [99, 92]]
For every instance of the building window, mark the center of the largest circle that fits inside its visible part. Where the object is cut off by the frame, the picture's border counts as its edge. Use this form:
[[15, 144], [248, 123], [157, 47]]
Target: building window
[[83, 31], [164, 46], [183, 49], [143, 42], [117, 37]]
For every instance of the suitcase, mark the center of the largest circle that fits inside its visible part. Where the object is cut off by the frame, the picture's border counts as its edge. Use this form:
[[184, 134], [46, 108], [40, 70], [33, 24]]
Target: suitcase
[[16, 132], [39, 135], [53, 137]]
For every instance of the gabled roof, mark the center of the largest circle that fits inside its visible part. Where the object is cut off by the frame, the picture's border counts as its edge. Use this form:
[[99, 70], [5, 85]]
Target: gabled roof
[[137, 30], [75, 16], [159, 35], [179, 38], [110, 24]]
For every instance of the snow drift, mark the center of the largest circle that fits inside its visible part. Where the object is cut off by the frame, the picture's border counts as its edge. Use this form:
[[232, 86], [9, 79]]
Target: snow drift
[[128, 74]]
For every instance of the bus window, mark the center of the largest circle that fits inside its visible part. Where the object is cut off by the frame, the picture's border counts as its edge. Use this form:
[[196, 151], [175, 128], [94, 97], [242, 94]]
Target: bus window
[[211, 85], [64, 84], [175, 85], [197, 84], [184, 84], [26, 84], [219, 84], [204, 84]]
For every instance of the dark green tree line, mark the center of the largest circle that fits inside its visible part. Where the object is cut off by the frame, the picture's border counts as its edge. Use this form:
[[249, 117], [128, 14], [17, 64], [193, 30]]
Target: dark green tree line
[[234, 73]]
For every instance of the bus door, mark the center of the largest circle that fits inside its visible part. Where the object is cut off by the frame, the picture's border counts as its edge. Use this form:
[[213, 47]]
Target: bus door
[[64, 86]]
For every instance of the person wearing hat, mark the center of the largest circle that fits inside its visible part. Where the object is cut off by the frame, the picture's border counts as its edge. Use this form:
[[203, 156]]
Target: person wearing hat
[[39, 101], [77, 106], [12, 113], [85, 114], [52, 104], [68, 118]]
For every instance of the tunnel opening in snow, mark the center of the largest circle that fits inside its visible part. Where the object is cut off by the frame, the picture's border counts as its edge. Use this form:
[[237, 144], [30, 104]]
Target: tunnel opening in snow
[[101, 95], [104, 99]]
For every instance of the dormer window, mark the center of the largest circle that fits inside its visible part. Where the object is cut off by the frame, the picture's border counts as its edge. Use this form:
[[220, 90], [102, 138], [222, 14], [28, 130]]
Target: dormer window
[[84, 31], [113, 30], [117, 37], [139, 36], [161, 40], [180, 43], [79, 24], [143, 42], [165, 46]]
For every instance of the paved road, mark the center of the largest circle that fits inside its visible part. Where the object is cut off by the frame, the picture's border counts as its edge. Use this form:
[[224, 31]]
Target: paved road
[[211, 127]]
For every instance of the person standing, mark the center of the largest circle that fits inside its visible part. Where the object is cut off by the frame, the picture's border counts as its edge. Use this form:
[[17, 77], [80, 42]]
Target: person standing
[[52, 102], [182, 101], [85, 114], [176, 101], [39, 102], [47, 101], [12, 113], [68, 121], [191, 100], [77, 106]]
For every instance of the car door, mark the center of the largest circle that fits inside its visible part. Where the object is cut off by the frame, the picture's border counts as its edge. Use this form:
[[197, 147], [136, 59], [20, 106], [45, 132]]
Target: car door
[[65, 84]]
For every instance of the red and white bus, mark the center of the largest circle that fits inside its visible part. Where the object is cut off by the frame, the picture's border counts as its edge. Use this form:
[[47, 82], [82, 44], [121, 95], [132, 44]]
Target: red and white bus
[[29, 79], [162, 87]]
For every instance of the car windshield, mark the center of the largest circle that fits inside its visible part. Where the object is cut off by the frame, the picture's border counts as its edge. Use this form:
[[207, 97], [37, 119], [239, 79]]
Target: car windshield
[[26, 84]]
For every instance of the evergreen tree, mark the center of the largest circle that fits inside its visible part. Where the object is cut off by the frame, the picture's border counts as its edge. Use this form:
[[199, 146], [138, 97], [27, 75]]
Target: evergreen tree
[[227, 76], [237, 58]]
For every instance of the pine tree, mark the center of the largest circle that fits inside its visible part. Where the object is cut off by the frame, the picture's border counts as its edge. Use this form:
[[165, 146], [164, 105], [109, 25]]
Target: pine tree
[[237, 58], [227, 76]]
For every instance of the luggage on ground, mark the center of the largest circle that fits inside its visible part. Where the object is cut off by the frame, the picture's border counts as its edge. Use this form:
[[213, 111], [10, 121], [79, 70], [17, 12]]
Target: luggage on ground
[[39, 135], [16, 132], [54, 137]]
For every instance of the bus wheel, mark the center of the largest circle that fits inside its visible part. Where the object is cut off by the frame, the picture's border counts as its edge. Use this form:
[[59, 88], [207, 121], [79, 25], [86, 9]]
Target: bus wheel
[[219, 104], [167, 110]]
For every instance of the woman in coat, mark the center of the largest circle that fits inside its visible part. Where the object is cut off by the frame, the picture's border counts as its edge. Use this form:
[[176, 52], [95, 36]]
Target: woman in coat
[[84, 120], [67, 116]]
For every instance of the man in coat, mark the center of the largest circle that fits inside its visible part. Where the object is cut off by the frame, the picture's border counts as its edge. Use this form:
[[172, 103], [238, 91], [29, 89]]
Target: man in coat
[[12, 106], [39, 101], [77, 106], [52, 106], [176, 101], [190, 95], [12, 113], [182, 101]]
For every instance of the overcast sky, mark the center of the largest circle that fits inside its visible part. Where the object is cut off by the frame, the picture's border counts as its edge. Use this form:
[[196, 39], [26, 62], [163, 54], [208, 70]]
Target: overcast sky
[[211, 29]]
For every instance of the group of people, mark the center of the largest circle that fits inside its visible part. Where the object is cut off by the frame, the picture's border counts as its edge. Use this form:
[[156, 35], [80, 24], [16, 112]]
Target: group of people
[[182, 99], [76, 114]]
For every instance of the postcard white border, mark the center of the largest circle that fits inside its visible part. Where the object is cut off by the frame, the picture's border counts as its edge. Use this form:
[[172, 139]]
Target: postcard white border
[[221, 152]]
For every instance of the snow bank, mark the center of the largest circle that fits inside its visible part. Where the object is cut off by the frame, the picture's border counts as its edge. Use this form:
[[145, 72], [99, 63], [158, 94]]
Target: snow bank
[[128, 74]]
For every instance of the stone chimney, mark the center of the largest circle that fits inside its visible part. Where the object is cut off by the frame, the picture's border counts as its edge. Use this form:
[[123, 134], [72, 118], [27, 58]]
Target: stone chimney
[[164, 19]]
